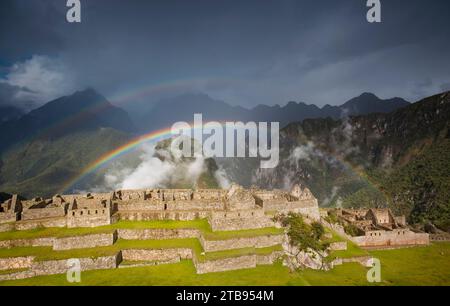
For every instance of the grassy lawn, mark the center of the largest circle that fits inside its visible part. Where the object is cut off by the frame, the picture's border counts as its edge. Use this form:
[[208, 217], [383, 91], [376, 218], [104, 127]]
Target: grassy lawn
[[352, 249], [47, 253], [2, 272], [416, 266], [209, 235], [201, 224], [411, 266]]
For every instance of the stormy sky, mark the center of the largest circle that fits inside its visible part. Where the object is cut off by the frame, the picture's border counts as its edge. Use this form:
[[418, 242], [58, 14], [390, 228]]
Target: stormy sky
[[244, 52]]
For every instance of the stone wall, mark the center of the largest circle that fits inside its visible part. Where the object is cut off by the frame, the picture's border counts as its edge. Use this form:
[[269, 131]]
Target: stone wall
[[84, 242], [248, 213], [241, 243], [228, 224], [140, 205], [33, 224], [156, 254], [396, 237], [43, 213], [194, 205], [89, 217], [61, 266], [268, 259], [162, 215], [7, 227], [226, 264], [7, 217], [179, 205], [37, 242], [157, 234], [338, 246], [365, 261], [13, 263]]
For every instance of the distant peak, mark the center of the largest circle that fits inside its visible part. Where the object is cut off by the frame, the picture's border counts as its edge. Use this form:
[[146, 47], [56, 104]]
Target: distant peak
[[368, 95]]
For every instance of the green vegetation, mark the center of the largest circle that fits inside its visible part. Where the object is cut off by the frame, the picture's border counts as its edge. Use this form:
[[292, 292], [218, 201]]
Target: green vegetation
[[201, 224], [242, 233], [352, 230], [2, 272], [421, 188], [410, 266], [416, 266], [352, 251], [47, 253], [303, 235], [41, 167]]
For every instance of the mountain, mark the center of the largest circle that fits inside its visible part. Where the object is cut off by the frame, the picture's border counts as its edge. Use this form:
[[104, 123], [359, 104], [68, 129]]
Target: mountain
[[368, 103], [8, 113], [183, 108], [84, 110], [41, 167], [42, 150], [399, 159]]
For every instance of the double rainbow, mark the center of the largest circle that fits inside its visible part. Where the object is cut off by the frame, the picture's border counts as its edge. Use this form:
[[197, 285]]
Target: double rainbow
[[154, 136]]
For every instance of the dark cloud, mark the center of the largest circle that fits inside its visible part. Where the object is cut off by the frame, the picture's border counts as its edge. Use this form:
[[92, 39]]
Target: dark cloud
[[11, 96], [244, 52]]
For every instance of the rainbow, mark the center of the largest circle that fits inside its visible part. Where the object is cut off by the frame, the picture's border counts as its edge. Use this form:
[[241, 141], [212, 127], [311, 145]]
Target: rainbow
[[152, 137], [119, 151]]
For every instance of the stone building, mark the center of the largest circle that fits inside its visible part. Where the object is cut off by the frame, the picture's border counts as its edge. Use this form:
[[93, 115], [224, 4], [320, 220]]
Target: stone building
[[380, 228], [233, 209]]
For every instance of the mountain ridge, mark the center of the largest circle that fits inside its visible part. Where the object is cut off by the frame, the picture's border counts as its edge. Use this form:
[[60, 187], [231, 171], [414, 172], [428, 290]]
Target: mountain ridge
[[83, 110], [162, 114], [399, 159]]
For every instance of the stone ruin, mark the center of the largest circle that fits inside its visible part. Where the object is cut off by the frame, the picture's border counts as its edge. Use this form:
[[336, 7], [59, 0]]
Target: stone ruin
[[233, 209], [378, 227], [226, 210]]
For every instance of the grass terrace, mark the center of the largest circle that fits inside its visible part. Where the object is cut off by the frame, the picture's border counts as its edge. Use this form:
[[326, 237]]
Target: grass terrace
[[411, 266], [201, 225]]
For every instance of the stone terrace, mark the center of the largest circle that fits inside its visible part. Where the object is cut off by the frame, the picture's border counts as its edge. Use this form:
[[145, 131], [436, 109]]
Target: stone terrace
[[245, 214]]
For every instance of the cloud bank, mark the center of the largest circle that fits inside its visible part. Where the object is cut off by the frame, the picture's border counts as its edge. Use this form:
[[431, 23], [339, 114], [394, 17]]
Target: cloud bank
[[35, 81], [158, 168]]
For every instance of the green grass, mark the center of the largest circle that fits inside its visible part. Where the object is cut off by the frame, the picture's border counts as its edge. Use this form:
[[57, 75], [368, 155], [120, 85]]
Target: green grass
[[2, 272], [183, 273], [411, 266], [223, 235], [201, 224], [416, 266], [335, 237], [47, 253], [352, 249]]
